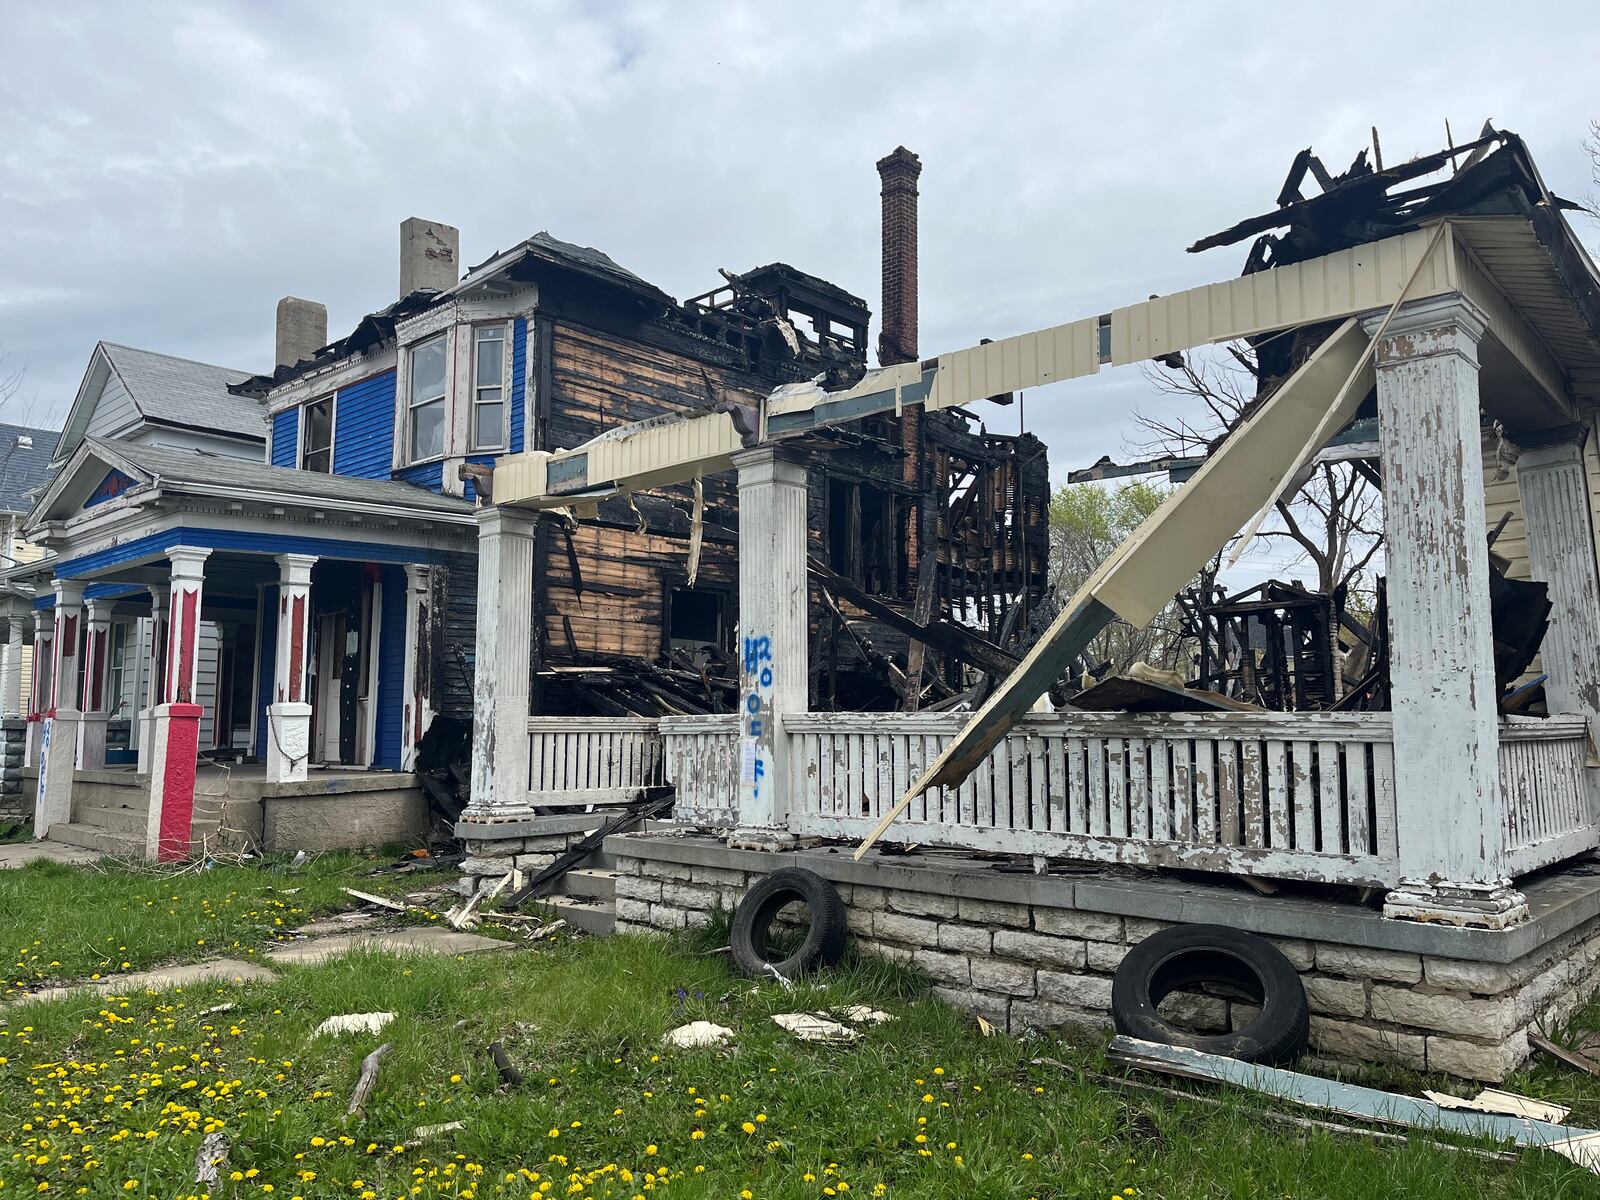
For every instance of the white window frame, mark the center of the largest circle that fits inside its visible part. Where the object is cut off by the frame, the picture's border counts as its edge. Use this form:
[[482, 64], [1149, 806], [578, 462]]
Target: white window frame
[[503, 387], [303, 419], [411, 405]]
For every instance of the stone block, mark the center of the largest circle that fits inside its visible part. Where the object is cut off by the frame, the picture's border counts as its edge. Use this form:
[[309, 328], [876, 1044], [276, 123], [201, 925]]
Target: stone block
[[1076, 991], [1136, 929], [992, 1008], [1474, 1060], [720, 876], [495, 867], [993, 912], [664, 916], [1464, 975], [1302, 955], [636, 928], [922, 904], [637, 887], [913, 931], [942, 967], [1071, 922], [1447, 1012], [1040, 948], [969, 939], [688, 896], [895, 954], [1336, 997], [992, 975], [859, 921], [534, 862], [1193, 1010], [872, 898], [1049, 1014], [696, 918], [628, 865], [1105, 956], [637, 911], [1357, 963], [1350, 1042]]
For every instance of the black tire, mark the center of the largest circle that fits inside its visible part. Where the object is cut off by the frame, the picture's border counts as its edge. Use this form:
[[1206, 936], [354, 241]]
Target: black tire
[[752, 922], [1180, 958]]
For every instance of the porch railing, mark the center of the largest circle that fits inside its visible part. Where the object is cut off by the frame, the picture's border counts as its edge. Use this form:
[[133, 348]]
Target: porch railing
[[1305, 796], [592, 760], [1546, 789], [703, 766]]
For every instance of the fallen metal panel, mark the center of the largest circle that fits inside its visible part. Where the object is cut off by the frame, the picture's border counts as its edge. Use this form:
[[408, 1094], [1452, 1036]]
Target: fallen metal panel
[[1165, 552]]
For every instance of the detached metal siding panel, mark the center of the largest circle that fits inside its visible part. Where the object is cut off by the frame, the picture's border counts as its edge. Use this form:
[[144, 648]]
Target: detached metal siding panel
[[519, 382], [363, 429], [286, 439]]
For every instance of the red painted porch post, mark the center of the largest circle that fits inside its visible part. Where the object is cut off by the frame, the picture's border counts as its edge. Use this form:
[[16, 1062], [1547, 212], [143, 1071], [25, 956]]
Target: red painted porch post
[[175, 723]]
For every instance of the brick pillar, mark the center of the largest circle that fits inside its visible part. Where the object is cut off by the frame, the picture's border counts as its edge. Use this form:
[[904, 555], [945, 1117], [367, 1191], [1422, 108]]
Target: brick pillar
[[58, 745], [289, 714], [897, 335], [94, 703]]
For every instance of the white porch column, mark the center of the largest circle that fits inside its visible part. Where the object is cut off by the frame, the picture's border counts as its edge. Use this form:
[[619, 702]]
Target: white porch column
[[1449, 815], [1561, 552], [11, 698], [155, 671], [289, 714], [773, 634], [39, 687], [58, 747], [185, 599], [94, 701], [501, 665], [416, 709]]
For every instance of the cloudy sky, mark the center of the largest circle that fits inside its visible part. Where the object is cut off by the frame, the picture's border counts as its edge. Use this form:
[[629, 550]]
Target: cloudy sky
[[168, 171]]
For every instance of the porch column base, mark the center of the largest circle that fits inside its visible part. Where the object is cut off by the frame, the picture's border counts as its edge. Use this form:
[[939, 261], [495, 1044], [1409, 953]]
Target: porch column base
[[174, 747], [30, 745], [288, 741], [142, 722], [1495, 905], [92, 740], [58, 756], [761, 837]]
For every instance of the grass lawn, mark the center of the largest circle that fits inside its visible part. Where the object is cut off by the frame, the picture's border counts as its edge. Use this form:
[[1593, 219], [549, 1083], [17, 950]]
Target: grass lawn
[[111, 1096]]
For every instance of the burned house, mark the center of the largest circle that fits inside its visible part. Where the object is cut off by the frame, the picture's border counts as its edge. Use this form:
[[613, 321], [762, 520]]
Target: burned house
[[306, 581]]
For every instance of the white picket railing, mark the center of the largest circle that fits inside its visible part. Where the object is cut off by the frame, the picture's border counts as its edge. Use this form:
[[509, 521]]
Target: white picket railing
[[1286, 795], [703, 766], [592, 760]]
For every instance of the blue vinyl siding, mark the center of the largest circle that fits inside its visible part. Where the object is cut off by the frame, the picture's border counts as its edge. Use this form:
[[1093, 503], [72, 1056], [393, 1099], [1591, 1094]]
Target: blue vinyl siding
[[269, 654], [391, 669], [286, 439], [519, 381], [428, 475], [363, 429]]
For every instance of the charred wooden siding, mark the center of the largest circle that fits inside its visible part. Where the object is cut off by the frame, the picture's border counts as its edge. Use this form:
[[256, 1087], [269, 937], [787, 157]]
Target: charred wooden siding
[[456, 603]]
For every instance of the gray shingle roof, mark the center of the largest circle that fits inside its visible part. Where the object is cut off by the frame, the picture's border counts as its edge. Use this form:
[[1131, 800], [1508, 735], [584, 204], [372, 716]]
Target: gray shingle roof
[[180, 391], [179, 467], [24, 469]]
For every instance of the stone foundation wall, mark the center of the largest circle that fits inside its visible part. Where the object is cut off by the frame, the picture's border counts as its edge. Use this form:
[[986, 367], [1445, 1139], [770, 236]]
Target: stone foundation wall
[[16, 802], [1038, 964], [489, 859]]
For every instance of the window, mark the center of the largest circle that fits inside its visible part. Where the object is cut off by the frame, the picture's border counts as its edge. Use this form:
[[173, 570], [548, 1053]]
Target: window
[[488, 397], [427, 400], [316, 436]]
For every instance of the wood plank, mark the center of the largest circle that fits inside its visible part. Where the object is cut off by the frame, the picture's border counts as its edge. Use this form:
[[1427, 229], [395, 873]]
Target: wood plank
[[1205, 791], [1253, 794], [984, 814], [1305, 801], [1095, 796], [1161, 789], [1182, 790], [1228, 825], [1038, 784], [1280, 817], [1358, 798], [1077, 787], [1056, 749], [1138, 789], [1385, 832], [1330, 798], [1117, 787]]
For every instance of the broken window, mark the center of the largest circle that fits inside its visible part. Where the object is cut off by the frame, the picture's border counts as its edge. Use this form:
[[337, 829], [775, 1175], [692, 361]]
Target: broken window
[[488, 398], [427, 399], [696, 621], [316, 436]]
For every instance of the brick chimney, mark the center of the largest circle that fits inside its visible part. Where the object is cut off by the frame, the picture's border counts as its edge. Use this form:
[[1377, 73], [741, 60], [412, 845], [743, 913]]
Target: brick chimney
[[897, 337], [430, 255], [302, 330]]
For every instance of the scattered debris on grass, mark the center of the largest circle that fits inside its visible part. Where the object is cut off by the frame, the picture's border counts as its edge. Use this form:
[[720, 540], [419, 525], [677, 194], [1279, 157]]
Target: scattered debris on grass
[[354, 1023], [1571, 1057], [697, 1035], [863, 1014], [509, 1075], [215, 1009], [211, 1160], [813, 1027], [368, 1079], [423, 1132], [1492, 1100], [378, 901]]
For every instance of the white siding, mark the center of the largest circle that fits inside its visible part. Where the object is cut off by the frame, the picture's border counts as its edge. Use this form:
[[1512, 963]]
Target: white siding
[[114, 411], [205, 684]]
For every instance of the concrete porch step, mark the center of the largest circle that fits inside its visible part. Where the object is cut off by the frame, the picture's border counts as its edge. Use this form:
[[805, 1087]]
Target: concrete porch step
[[589, 883], [93, 837], [115, 820], [591, 916]]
